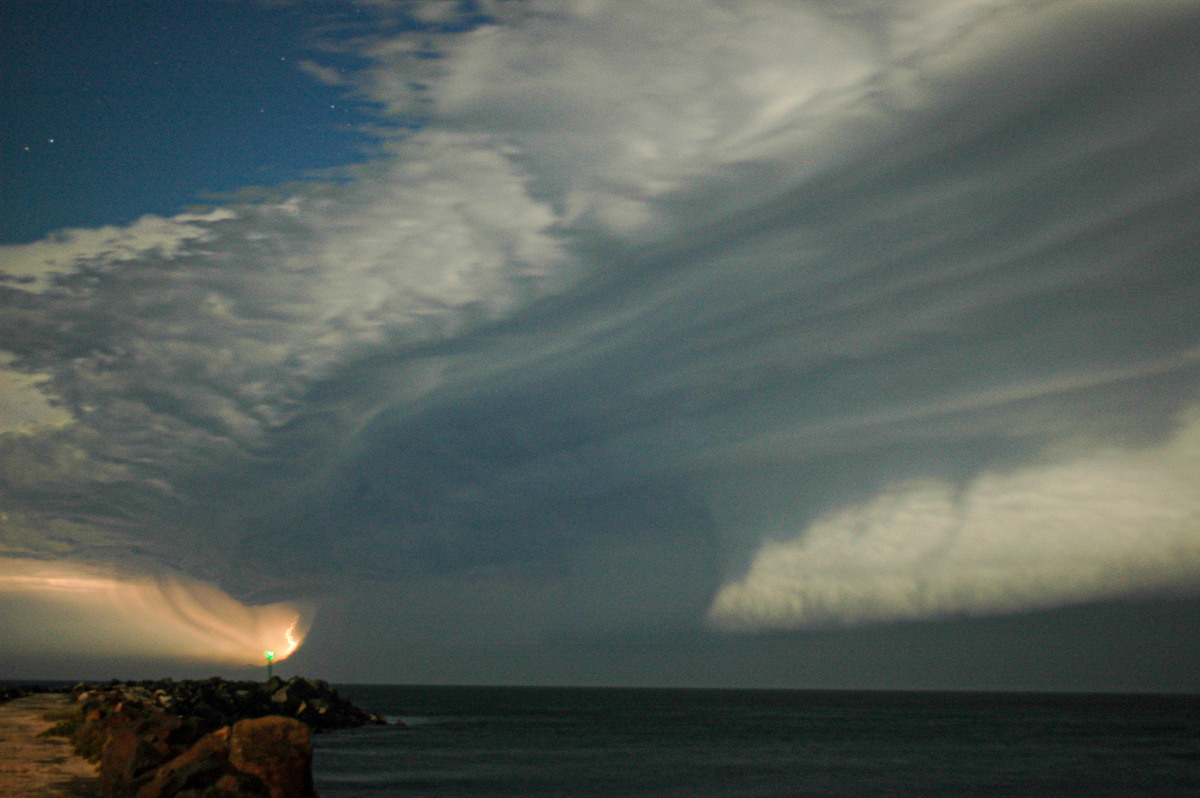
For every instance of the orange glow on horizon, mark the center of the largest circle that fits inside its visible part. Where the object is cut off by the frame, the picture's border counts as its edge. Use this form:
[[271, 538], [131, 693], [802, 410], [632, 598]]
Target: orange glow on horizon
[[67, 608]]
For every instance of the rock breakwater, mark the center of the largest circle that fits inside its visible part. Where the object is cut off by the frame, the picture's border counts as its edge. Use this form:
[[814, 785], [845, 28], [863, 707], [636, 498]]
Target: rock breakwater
[[206, 738]]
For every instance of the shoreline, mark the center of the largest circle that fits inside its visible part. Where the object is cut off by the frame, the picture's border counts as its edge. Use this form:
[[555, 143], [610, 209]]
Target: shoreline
[[31, 765]]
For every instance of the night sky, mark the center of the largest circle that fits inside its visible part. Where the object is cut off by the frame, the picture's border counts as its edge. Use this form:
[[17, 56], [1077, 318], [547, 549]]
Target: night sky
[[790, 343]]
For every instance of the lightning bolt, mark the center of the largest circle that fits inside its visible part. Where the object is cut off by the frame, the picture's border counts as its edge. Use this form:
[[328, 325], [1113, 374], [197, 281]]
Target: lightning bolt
[[293, 643]]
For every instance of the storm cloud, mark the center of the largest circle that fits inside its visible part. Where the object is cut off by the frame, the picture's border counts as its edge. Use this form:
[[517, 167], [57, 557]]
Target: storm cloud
[[755, 315]]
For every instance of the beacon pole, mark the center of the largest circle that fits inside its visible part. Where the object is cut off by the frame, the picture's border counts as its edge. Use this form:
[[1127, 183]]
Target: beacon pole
[[270, 659]]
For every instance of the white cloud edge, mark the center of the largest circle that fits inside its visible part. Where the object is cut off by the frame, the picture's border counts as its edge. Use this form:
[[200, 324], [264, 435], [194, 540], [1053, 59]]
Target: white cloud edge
[[32, 267], [1108, 523], [25, 408]]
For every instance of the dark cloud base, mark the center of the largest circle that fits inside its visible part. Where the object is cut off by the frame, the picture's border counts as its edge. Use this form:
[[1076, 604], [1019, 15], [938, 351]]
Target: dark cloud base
[[1147, 645]]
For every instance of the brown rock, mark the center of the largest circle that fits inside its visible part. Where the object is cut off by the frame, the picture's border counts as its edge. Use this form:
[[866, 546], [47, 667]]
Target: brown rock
[[200, 766], [278, 751], [131, 749]]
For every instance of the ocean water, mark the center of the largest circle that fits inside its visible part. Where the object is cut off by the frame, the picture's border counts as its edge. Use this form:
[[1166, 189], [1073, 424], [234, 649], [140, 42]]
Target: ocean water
[[604, 743]]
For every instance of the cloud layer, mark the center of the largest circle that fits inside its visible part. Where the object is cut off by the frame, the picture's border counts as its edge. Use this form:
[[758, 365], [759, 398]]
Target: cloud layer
[[73, 610], [1106, 524], [770, 313]]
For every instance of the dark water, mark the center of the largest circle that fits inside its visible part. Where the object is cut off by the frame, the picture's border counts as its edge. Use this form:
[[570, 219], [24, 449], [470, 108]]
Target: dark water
[[470, 741]]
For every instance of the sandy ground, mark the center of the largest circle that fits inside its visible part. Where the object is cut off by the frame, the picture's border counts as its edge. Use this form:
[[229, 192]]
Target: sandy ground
[[46, 767]]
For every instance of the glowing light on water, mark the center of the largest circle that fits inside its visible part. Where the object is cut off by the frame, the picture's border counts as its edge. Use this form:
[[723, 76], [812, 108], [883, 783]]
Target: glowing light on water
[[164, 616]]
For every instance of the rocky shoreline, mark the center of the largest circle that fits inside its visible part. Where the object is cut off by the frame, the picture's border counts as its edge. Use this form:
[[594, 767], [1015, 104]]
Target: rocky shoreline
[[207, 738]]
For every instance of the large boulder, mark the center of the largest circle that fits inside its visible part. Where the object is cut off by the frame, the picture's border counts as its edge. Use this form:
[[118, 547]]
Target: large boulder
[[277, 750]]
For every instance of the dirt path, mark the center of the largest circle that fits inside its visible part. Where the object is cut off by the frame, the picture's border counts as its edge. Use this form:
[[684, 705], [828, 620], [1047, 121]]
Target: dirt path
[[45, 767]]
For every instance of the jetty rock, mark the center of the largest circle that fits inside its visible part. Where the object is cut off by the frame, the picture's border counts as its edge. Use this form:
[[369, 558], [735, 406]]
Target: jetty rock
[[207, 738], [208, 704], [267, 757]]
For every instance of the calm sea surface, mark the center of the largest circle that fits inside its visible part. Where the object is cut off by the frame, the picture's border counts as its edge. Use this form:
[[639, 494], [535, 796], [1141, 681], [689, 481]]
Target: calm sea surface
[[494, 741]]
